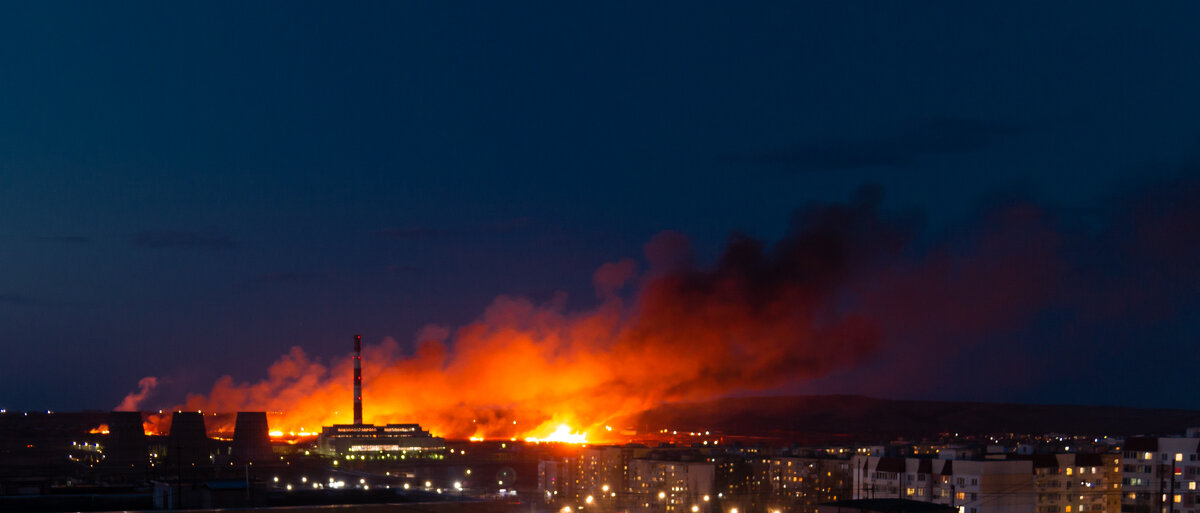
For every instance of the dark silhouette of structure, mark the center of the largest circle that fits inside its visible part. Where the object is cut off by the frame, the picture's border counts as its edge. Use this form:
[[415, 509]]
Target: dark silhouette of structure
[[188, 442], [127, 445], [358, 420], [251, 440]]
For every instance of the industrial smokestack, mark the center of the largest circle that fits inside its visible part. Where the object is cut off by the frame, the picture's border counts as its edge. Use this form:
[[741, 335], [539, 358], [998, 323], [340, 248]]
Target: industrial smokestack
[[358, 380]]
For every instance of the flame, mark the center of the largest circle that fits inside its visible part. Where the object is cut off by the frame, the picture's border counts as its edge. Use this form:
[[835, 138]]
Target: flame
[[102, 429], [292, 437], [562, 434], [759, 319]]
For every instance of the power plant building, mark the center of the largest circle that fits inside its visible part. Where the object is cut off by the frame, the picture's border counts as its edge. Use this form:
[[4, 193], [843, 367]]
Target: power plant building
[[369, 440]]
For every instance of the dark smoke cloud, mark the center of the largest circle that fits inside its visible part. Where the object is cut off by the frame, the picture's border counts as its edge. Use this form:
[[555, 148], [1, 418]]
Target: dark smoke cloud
[[1025, 294], [1031, 293]]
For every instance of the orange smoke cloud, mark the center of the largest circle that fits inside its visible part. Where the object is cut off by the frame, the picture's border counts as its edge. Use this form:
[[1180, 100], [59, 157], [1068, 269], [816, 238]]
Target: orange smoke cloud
[[759, 319], [131, 401]]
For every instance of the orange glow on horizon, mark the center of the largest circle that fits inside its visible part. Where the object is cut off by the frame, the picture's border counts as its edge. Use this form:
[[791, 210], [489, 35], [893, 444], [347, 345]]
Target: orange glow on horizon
[[540, 372], [561, 434]]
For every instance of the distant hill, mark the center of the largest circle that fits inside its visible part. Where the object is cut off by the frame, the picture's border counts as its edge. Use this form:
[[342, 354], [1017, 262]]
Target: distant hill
[[853, 417]]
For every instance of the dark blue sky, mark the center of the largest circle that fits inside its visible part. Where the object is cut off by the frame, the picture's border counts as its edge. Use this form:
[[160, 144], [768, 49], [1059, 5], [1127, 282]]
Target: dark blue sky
[[187, 190]]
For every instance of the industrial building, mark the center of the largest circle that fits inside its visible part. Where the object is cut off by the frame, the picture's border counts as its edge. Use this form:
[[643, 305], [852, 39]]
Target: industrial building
[[368, 441]]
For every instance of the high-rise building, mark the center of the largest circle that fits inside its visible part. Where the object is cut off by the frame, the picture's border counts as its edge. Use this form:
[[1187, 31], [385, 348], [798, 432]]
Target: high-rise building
[[972, 486], [1159, 474]]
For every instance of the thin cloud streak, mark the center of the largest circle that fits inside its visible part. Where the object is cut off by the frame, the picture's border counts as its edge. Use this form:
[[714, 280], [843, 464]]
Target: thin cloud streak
[[182, 239]]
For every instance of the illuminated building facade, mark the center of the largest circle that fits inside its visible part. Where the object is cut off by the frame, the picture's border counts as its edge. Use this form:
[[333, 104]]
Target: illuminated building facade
[[804, 483], [971, 486], [1077, 483], [601, 472], [1160, 475], [670, 485], [370, 441]]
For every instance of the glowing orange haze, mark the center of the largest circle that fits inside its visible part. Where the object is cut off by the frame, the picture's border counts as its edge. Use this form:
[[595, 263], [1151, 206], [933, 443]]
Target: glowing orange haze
[[525, 369]]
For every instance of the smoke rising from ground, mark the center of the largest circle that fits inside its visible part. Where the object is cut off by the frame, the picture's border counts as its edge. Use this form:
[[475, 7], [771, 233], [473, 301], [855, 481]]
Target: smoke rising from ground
[[850, 284], [131, 401]]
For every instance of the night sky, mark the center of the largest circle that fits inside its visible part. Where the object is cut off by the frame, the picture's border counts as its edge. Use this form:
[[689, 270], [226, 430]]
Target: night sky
[[187, 190]]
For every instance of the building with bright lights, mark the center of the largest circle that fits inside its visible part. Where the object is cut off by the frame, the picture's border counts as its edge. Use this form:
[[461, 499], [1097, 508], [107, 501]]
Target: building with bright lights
[[1160, 474], [662, 484], [368, 441], [804, 483], [601, 472], [1077, 483], [971, 486]]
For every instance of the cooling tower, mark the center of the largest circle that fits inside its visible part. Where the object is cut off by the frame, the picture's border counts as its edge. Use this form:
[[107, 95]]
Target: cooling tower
[[251, 441], [127, 440], [188, 441]]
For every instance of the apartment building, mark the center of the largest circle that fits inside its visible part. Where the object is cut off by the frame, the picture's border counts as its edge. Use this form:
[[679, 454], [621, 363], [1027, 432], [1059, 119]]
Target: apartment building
[[1159, 474]]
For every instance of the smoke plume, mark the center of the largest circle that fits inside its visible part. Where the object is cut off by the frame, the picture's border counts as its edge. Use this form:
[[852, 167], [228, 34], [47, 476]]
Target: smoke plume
[[849, 286], [131, 401]]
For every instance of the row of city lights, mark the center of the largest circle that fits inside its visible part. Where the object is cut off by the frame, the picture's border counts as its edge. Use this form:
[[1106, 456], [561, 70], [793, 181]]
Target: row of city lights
[[695, 509]]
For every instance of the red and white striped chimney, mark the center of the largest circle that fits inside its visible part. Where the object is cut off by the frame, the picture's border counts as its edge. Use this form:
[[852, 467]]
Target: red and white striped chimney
[[358, 380]]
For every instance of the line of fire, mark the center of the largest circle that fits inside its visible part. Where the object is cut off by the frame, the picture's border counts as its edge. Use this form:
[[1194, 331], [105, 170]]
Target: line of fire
[[54, 462]]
